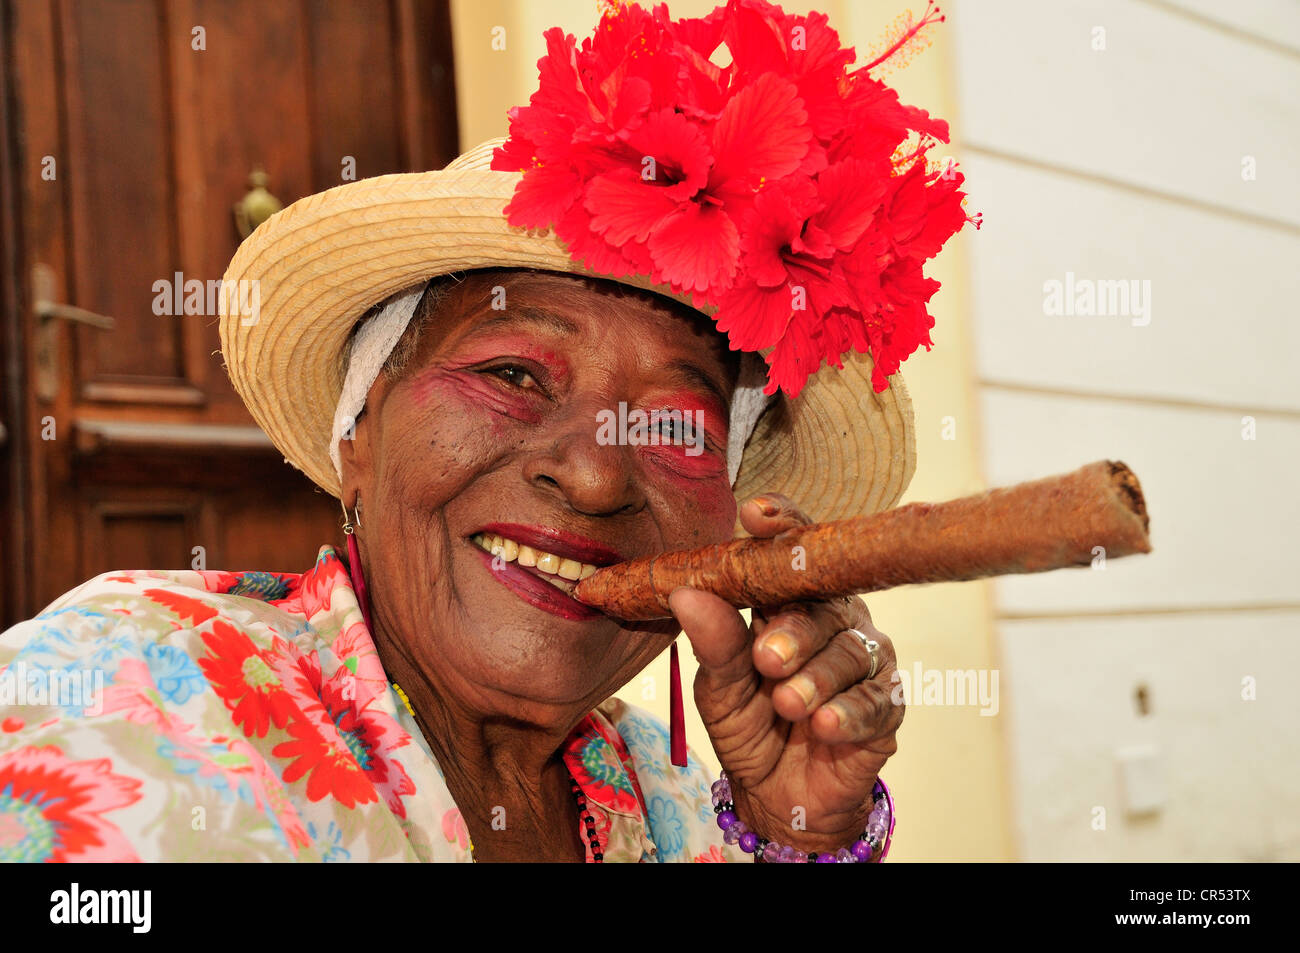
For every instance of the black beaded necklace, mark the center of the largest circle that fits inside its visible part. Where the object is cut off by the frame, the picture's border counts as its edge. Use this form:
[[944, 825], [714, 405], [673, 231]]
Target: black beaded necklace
[[590, 822]]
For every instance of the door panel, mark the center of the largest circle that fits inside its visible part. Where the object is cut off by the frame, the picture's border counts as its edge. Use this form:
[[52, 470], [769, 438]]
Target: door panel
[[118, 178], [131, 132]]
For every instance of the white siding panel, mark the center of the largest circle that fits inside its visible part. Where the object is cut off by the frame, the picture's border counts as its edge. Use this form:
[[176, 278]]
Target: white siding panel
[[1225, 514], [1230, 766], [1170, 104], [1210, 330], [1274, 21]]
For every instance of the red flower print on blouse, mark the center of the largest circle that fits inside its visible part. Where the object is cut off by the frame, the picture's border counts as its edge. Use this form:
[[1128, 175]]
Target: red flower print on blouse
[[454, 829], [601, 764], [218, 580], [343, 745], [713, 855], [51, 808], [187, 607], [246, 680], [356, 651], [331, 771], [310, 593]]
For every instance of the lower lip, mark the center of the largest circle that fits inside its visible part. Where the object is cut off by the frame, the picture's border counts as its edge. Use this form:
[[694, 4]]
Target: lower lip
[[534, 591]]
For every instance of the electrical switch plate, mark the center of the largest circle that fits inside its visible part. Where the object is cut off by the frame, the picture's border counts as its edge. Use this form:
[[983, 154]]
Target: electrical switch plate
[[1141, 779]]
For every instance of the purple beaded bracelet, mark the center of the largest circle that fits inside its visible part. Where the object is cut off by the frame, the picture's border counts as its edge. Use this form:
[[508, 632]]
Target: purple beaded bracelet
[[871, 847]]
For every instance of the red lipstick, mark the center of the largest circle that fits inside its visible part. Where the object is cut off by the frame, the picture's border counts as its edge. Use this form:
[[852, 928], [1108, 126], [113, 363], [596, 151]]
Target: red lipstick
[[534, 590], [561, 543]]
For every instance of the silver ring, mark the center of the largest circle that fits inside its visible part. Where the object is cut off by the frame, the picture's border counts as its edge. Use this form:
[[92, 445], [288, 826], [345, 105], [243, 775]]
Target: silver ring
[[873, 649]]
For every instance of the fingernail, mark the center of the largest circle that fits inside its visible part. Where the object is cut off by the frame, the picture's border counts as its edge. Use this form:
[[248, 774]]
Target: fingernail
[[779, 644], [766, 506], [805, 688]]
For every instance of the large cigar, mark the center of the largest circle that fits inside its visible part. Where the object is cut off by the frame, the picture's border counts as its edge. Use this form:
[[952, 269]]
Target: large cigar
[[1036, 526]]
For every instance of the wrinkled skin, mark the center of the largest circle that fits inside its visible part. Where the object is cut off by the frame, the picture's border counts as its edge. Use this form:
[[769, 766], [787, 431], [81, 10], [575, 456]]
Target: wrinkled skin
[[494, 420]]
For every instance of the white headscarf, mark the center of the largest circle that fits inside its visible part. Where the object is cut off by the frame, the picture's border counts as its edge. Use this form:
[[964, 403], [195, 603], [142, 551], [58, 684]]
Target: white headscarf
[[375, 340]]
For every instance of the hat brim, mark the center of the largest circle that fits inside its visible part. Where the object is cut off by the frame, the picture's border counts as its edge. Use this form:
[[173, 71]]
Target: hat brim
[[839, 449]]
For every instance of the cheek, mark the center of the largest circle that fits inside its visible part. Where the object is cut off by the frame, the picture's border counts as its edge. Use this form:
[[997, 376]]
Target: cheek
[[688, 472], [702, 510], [452, 427], [717, 505]]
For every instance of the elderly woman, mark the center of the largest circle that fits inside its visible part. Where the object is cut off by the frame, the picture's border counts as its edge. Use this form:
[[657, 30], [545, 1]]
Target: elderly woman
[[441, 695]]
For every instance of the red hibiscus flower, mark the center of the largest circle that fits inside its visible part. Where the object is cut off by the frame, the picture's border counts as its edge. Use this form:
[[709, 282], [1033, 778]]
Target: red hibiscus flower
[[783, 191], [51, 808]]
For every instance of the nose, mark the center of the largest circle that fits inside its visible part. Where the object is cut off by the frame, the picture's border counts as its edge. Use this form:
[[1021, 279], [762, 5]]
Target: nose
[[594, 479]]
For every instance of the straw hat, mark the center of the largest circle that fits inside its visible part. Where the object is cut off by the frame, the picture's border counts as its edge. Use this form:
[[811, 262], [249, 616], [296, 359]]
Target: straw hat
[[838, 449]]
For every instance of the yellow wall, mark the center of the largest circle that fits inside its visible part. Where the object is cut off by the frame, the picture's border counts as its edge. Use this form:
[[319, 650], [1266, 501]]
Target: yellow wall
[[949, 775]]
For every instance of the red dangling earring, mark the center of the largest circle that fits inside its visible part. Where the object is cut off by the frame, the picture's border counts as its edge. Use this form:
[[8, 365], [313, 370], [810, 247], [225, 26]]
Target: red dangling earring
[[676, 711], [354, 564]]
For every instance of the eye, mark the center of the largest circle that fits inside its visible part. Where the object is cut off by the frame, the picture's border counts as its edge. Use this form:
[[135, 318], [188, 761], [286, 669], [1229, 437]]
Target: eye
[[677, 427], [670, 428], [513, 374]]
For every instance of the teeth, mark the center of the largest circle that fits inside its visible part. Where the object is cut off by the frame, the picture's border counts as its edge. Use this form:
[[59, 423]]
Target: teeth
[[560, 572]]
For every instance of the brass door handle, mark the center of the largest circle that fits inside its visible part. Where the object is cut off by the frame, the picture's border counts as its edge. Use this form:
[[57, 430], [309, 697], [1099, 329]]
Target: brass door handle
[[48, 312], [257, 205]]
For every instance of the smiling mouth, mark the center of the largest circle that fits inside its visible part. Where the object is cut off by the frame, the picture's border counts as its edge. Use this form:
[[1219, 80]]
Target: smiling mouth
[[543, 564], [561, 572]]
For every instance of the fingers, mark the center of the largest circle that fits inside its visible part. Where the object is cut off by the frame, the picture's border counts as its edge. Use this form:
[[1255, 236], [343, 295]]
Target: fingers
[[841, 663], [833, 689], [769, 514], [716, 631], [790, 638], [820, 668], [868, 712], [765, 516]]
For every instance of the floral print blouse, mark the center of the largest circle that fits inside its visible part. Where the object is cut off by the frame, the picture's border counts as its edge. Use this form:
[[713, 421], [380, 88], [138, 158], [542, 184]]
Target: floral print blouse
[[245, 716]]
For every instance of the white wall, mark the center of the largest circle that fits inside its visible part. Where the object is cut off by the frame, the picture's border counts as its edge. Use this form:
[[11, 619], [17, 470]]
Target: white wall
[[1127, 162]]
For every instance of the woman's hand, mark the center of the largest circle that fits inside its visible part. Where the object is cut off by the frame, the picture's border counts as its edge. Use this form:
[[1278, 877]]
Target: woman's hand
[[799, 729]]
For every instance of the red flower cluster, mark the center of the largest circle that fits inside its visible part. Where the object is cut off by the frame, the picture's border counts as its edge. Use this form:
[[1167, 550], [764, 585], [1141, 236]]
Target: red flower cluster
[[783, 190], [338, 737]]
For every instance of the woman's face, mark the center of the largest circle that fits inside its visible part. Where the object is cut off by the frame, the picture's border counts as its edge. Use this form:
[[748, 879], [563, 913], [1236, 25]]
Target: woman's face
[[505, 422]]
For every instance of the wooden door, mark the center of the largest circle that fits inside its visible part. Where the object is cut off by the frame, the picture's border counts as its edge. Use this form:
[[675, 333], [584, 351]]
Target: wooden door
[[131, 128]]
